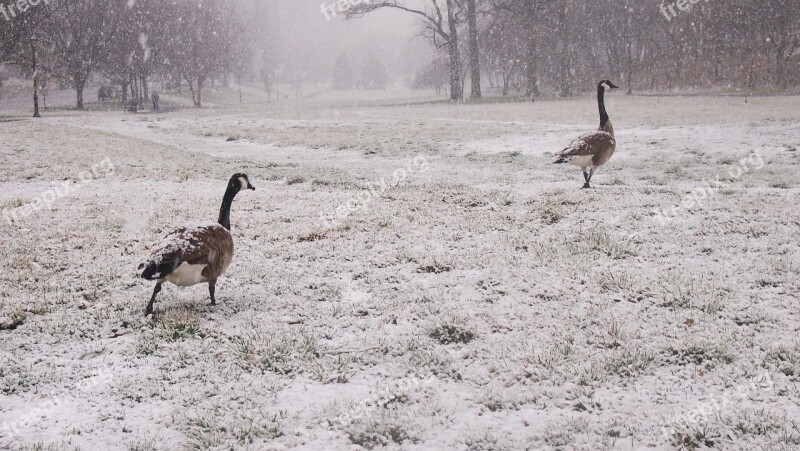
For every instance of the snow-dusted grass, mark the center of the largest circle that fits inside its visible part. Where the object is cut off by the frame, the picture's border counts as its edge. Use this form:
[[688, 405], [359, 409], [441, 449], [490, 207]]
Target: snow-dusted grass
[[486, 303]]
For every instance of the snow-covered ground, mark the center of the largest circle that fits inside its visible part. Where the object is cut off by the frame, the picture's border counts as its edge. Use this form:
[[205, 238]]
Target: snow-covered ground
[[478, 300]]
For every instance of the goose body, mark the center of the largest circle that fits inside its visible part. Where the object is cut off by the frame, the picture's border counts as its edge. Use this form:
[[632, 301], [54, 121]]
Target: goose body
[[191, 254], [594, 149], [195, 253], [589, 150]]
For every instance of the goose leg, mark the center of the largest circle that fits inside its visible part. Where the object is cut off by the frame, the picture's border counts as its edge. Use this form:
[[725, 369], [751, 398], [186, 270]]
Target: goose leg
[[212, 288], [149, 310], [586, 178], [589, 178]]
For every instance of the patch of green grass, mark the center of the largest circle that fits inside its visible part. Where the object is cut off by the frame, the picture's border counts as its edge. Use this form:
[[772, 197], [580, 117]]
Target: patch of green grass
[[12, 323], [489, 441], [282, 352], [785, 360], [699, 355], [315, 235], [451, 334], [181, 326], [219, 431], [436, 267], [379, 431], [629, 363], [551, 215], [695, 438]]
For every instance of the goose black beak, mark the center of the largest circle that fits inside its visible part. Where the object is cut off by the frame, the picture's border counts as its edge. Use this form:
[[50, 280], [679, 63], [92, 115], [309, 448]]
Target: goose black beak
[[613, 86], [251, 187]]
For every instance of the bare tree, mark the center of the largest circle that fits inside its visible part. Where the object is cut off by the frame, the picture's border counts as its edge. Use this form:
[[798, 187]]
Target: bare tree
[[77, 33], [526, 18], [134, 45], [200, 43], [474, 50], [12, 34], [434, 76], [442, 26], [778, 28]]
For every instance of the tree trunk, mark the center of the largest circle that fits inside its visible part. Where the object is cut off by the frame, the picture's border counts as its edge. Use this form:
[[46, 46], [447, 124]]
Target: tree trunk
[[751, 77], [44, 93], [781, 58], [191, 89], [134, 88], [629, 57], [79, 85], [780, 71], [145, 91], [199, 102], [474, 55], [531, 65], [565, 66], [456, 88]]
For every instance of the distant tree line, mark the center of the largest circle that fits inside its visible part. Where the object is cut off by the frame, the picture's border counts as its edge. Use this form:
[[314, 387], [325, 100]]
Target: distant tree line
[[371, 75], [532, 47], [185, 42], [559, 47]]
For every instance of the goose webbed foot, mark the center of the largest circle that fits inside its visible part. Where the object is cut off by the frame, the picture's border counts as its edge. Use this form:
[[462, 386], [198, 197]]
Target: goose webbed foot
[[588, 178]]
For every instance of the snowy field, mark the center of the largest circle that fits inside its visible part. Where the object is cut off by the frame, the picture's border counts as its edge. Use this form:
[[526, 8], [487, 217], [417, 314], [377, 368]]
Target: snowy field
[[473, 297]]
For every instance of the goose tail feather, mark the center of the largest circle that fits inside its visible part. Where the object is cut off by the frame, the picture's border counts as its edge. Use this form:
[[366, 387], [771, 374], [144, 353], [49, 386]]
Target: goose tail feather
[[563, 159]]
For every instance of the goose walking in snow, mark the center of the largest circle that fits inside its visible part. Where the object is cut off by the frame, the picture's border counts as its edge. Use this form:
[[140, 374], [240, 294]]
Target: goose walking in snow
[[592, 150], [196, 253]]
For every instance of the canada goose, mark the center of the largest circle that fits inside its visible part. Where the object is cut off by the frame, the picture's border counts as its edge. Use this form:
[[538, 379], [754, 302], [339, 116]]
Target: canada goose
[[592, 150], [196, 253]]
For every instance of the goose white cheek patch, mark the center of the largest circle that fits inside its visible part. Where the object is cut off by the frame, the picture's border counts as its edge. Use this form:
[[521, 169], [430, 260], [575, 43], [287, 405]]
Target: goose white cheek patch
[[243, 183]]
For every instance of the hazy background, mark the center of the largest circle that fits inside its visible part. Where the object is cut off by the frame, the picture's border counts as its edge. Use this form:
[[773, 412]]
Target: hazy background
[[392, 36], [456, 49]]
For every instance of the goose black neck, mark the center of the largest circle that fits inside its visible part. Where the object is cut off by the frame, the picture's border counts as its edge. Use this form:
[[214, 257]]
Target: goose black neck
[[225, 209], [602, 105]]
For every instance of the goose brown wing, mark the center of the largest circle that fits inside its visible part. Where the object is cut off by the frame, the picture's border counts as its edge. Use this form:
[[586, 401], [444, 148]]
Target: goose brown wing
[[588, 144], [201, 244]]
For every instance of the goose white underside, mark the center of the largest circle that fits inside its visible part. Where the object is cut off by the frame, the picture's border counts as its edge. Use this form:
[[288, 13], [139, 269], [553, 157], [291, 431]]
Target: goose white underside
[[583, 161], [187, 275]]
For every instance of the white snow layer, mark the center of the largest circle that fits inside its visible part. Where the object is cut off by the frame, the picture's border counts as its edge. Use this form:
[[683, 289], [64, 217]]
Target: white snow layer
[[486, 303]]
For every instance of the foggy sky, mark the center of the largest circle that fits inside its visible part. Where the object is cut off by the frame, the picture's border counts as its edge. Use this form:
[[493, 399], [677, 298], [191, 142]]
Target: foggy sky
[[390, 35]]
